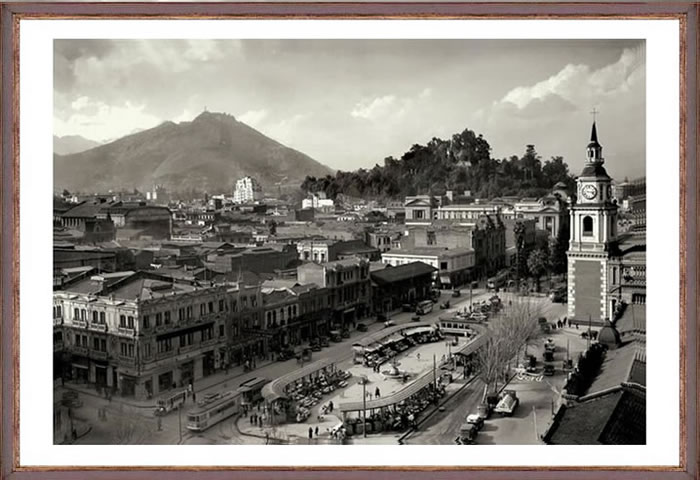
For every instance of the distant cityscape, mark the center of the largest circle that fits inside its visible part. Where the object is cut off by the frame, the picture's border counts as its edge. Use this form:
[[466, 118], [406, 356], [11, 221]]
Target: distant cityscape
[[262, 315]]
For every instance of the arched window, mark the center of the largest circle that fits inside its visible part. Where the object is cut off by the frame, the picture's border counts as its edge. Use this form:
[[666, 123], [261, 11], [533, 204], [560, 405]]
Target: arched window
[[587, 226]]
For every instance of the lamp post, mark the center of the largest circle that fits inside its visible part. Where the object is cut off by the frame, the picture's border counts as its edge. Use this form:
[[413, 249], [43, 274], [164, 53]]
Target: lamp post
[[179, 421], [364, 407]]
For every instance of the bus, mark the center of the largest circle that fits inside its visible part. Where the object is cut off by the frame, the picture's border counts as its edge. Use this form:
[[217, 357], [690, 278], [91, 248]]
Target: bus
[[168, 403], [498, 281], [424, 307], [214, 408], [459, 327]]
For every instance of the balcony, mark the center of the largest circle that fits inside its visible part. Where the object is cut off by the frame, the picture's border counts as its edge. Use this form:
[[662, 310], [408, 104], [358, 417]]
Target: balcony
[[78, 323], [98, 355], [126, 359], [98, 327], [77, 350], [57, 321], [126, 331], [58, 345], [162, 355]]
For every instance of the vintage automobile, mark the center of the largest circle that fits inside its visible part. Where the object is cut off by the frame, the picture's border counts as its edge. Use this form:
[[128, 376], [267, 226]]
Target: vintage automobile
[[549, 369], [548, 356], [361, 327], [407, 307], [456, 293], [467, 434], [507, 403], [445, 305], [476, 419]]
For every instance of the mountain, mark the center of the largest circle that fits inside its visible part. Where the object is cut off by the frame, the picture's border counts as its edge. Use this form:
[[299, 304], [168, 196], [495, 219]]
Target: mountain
[[207, 154], [72, 144]]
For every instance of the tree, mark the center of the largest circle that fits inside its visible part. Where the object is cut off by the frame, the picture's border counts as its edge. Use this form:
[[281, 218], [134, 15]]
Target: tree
[[537, 264], [560, 245], [507, 334]]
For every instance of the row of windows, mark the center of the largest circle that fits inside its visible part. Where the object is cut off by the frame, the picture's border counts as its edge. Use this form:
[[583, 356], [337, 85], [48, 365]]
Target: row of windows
[[185, 313]]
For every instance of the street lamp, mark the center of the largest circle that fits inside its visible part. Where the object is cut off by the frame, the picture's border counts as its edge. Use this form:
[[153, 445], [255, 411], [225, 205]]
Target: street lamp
[[364, 406]]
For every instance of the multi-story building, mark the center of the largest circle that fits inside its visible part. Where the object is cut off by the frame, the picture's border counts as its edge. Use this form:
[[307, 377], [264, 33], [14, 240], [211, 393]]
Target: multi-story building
[[247, 190], [394, 286], [325, 250], [318, 201], [485, 236], [348, 284], [420, 209], [453, 267], [550, 212], [383, 241], [139, 333]]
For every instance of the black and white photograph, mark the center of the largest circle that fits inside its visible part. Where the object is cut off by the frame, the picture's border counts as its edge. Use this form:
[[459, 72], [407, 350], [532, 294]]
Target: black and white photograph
[[349, 242]]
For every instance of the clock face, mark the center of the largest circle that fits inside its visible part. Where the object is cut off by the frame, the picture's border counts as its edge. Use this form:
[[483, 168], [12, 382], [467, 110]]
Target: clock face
[[589, 192]]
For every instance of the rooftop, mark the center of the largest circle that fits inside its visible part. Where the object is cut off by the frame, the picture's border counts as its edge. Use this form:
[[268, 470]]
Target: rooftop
[[429, 252], [615, 418], [402, 272]]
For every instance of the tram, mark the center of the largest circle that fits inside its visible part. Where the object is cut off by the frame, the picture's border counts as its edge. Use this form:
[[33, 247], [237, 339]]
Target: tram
[[213, 409]]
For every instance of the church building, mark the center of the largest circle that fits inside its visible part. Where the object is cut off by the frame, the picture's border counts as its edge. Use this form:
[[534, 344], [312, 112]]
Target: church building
[[593, 241]]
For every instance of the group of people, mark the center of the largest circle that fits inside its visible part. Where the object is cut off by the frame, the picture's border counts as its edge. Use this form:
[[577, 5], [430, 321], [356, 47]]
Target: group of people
[[377, 394]]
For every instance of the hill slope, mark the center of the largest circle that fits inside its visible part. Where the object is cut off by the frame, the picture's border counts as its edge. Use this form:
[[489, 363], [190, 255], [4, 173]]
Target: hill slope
[[72, 144], [209, 153]]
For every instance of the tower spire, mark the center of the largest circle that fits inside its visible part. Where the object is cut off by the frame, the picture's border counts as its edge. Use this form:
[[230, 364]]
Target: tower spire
[[594, 133]]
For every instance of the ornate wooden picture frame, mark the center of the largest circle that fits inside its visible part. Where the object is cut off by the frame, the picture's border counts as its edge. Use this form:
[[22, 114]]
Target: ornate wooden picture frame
[[13, 13]]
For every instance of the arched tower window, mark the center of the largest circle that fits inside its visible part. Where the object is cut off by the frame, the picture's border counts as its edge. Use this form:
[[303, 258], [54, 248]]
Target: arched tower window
[[587, 226]]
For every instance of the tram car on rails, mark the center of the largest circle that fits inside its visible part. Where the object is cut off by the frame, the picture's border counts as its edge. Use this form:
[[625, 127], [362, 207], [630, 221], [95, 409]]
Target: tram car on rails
[[213, 409]]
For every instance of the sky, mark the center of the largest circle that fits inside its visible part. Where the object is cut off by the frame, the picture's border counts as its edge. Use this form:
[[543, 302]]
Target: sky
[[352, 103]]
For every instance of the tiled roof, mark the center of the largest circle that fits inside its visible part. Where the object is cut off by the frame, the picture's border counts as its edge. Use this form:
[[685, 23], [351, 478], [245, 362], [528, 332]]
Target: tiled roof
[[633, 319], [582, 423], [87, 209], [616, 368]]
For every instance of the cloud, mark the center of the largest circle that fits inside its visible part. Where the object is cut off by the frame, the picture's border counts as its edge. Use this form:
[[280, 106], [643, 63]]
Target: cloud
[[104, 122], [253, 118], [374, 108], [380, 108], [579, 84]]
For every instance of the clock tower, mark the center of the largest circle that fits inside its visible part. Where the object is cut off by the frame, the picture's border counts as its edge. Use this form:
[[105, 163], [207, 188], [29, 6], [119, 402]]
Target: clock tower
[[593, 236]]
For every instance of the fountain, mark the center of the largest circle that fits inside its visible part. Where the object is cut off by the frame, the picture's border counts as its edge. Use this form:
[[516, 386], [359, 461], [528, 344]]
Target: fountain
[[394, 371]]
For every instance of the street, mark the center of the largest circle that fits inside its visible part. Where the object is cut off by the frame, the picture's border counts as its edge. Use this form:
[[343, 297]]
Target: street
[[125, 424]]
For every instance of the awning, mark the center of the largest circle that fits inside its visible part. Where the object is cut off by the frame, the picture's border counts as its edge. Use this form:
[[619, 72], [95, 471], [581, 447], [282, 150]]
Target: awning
[[349, 310], [77, 365], [418, 330], [445, 279], [275, 389]]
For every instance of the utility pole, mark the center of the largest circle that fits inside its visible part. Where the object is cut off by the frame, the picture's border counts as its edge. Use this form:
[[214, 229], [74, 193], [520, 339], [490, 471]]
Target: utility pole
[[179, 421], [435, 371], [364, 406], [588, 337]]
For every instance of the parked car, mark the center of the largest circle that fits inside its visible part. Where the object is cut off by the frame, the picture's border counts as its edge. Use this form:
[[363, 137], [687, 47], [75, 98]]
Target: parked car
[[389, 323], [456, 293], [381, 317], [415, 318], [361, 327], [549, 369], [407, 307], [324, 341], [345, 334], [476, 419]]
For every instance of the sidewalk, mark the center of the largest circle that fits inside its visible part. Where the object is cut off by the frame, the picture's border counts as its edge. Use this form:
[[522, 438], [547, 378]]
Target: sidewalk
[[200, 386]]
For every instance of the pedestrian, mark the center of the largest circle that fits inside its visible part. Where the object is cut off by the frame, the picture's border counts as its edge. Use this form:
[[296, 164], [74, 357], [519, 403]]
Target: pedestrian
[[316, 431], [261, 422], [418, 356], [330, 405], [267, 438], [311, 433], [376, 392], [194, 398]]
